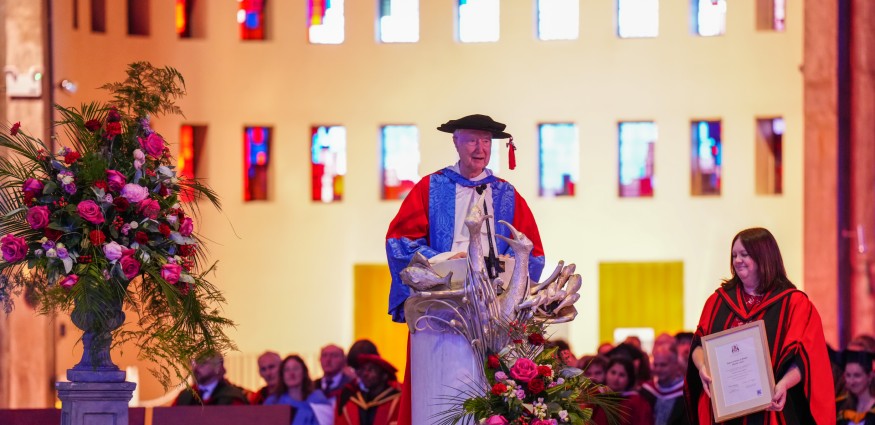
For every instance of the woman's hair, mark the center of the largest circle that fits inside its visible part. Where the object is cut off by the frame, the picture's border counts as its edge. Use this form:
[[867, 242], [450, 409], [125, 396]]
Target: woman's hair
[[628, 366], [593, 360], [763, 249], [306, 382]]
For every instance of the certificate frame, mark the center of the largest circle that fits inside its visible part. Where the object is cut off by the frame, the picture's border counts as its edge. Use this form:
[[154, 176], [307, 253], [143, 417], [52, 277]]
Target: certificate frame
[[740, 366]]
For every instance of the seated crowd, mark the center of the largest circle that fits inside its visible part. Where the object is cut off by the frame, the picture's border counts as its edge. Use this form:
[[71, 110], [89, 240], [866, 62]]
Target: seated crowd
[[361, 388]]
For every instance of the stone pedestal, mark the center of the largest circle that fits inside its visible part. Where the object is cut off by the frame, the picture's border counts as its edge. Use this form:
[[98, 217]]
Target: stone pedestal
[[95, 403]]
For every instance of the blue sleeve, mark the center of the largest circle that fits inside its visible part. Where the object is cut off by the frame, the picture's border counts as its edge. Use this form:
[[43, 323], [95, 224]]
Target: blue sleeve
[[399, 252]]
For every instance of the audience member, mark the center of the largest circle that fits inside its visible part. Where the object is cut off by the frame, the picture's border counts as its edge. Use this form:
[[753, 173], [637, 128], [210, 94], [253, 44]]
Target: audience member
[[857, 405], [269, 369], [296, 390], [594, 367], [333, 361], [211, 388], [664, 338], [564, 351], [640, 361], [684, 340], [604, 348], [362, 346], [666, 393], [862, 342], [620, 378], [376, 400], [633, 341]]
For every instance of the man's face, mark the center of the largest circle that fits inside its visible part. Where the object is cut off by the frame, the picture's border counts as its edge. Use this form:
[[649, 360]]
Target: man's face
[[207, 370], [372, 375], [268, 368], [332, 360], [665, 365], [475, 148]]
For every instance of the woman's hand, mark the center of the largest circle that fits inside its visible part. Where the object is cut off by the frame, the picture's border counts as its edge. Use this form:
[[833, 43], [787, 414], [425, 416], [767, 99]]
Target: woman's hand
[[791, 378], [699, 361]]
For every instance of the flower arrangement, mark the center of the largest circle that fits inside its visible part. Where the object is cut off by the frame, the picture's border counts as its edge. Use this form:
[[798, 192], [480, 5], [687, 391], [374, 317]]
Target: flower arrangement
[[530, 385], [99, 224]]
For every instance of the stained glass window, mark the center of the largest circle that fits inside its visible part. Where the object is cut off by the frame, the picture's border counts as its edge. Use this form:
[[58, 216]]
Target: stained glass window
[[325, 21], [558, 19], [191, 142], [328, 159], [559, 159], [707, 158], [98, 16], [138, 17], [400, 160], [709, 17], [478, 20], [256, 160], [770, 156], [637, 18], [771, 15], [250, 16], [637, 142], [399, 21]]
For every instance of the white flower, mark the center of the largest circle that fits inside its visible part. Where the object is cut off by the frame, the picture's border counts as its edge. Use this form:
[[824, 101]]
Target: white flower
[[171, 218], [59, 245], [134, 224], [51, 253], [539, 408], [38, 252], [563, 415], [43, 240]]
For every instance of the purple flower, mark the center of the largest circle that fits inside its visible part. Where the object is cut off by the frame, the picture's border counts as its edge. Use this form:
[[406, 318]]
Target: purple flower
[[68, 281], [70, 188], [134, 192], [33, 187], [90, 211], [186, 227], [113, 251], [153, 145], [500, 376], [38, 217], [170, 272], [115, 180], [520, 394], [49, 244], [62, 253], [14, 248]]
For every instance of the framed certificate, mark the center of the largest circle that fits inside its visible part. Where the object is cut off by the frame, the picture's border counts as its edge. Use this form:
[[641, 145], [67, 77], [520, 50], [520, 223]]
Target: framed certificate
[[741, 370]]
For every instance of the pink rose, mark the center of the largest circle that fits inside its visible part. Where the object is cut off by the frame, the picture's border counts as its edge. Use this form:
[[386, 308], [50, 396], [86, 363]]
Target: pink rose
[[153, 145], [38, 217], [134, 192], [524, 370], [68, 281], [149, 208], [170, 272], [496, 420], [130, 265], [14, 248], [113, 251], [544, 422], [139, 158], [115, 180], [33, 187], [186, 227], [90, 211]]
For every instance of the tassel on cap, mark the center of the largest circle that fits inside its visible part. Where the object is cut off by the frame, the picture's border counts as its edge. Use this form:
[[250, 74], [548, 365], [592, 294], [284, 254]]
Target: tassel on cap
[[511, 156]]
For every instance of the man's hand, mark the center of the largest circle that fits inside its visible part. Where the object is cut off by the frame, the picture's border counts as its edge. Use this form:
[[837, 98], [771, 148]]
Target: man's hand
[[459, 255]]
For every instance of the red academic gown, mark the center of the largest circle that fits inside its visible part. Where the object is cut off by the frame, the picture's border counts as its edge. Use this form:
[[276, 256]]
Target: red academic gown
[[795, 336], [386, 405]]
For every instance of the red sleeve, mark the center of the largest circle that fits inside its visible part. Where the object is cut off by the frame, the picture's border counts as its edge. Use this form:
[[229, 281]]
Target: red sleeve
[[412, 218], [524, 221]]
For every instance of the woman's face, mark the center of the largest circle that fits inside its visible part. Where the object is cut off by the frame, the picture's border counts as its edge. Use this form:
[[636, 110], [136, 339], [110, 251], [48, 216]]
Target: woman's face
[[293, 374], [745, 268], [596, 373], [856, 379], [616, 378]]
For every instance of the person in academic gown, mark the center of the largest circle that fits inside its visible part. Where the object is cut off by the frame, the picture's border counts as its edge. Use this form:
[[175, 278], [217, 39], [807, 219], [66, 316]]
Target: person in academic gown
[[760, 290]]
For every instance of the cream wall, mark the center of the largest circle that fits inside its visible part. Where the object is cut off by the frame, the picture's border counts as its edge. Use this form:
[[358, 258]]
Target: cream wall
[[286, 264]]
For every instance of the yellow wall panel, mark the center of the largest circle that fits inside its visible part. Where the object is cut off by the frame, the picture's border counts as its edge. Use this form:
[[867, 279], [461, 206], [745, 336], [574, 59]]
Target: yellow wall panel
[[641, 295], [370, 317]]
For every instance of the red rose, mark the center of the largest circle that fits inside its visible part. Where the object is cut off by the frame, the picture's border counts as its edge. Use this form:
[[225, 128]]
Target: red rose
[[113, 129], [187, 250], [101, 184], [14, 130], [536, 385], [142, 238], [97, 237], [92, 125], [545, 371], [71, 157], [52, 234], [499, 389], [121, 204], [164, 229], [493, 362], [113, 115], [536, 338]]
